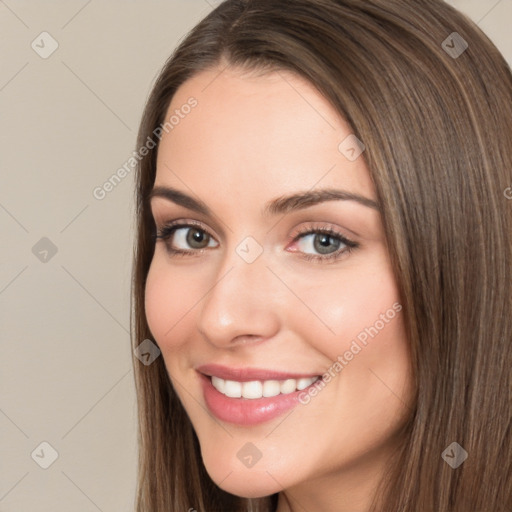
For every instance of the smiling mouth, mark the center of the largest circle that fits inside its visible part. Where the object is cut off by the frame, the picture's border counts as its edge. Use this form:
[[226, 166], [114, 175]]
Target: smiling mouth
[[255, 389], [250, 396]]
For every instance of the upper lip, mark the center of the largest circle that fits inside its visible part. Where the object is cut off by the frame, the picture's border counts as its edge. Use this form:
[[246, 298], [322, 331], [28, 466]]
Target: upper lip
[[249, 374]]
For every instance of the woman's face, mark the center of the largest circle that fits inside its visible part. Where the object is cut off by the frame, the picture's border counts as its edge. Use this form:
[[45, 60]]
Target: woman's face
[[286, 277]]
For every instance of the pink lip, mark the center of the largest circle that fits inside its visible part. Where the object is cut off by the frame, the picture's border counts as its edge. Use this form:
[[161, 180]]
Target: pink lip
[[248, 374], [244, 411]]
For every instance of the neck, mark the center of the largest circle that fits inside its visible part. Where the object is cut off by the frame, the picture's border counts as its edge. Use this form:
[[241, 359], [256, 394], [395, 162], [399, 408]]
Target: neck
[[340, 490]]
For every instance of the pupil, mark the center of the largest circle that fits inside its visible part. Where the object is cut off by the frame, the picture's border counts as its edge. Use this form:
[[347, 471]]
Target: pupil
[[324, 241], [195, 236]]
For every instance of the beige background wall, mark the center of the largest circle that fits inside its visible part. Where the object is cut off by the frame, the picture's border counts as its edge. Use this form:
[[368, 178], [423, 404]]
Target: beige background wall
[[67, 123]]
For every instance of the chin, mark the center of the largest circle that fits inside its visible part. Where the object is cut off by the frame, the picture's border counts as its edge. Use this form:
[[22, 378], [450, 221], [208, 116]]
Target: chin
[[249, 486], [241, 481]]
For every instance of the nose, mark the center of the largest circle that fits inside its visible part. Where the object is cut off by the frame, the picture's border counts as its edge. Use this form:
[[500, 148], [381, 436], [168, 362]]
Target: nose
[[242, 303]]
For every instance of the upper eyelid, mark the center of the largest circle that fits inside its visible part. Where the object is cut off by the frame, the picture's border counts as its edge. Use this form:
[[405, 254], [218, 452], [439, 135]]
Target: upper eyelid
[[156, 203], [179, 224], [155, 206], [184, 224]]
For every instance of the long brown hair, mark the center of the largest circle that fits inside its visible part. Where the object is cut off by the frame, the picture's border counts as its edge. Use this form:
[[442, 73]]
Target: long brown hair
[[436, 120]]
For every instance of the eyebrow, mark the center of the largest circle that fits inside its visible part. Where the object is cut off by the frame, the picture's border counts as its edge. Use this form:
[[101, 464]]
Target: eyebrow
[[279, 205]]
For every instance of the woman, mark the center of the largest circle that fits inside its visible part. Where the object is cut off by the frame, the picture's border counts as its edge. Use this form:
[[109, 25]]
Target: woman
[[323, 260]]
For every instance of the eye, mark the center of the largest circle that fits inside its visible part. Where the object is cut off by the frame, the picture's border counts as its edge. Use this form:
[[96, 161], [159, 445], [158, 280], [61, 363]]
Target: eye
[[185, 238], [323, 244], [191, 239]]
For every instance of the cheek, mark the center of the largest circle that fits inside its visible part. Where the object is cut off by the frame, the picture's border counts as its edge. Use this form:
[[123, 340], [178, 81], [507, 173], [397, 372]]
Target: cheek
[[360, 329], [169, 301], [369, 373], [359, 305]]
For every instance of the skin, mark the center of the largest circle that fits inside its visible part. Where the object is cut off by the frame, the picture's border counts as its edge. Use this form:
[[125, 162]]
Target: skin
[[252, 138]]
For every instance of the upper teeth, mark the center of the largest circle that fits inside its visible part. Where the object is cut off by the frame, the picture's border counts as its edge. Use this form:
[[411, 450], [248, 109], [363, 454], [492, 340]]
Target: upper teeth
[[259, 389]]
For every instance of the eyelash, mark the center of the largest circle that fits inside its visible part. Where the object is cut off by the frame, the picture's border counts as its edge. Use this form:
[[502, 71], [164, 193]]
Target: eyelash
[[168, 230]]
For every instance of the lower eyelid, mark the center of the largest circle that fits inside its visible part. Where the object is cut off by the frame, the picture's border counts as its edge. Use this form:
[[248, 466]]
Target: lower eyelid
[[184, 225], [334, 234], [186, 228]]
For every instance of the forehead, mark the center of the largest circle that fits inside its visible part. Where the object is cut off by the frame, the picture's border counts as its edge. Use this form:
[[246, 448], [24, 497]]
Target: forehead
[[268, 134]]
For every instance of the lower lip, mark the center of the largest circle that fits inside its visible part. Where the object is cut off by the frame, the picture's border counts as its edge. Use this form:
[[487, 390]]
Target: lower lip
[[247, 411]]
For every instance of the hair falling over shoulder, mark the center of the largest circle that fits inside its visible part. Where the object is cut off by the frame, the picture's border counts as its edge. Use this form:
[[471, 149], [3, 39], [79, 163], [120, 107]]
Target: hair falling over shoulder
[[438, 133]]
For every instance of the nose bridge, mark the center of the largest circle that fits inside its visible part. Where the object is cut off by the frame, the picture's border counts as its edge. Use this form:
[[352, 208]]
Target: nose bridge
[[239, 301]]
